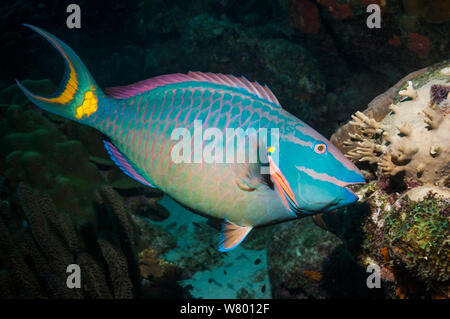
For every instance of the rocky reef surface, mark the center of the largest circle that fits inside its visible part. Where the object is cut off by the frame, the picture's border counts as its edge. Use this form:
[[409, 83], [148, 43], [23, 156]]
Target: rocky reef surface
[[409, 197], [403, 146], [305, 261]]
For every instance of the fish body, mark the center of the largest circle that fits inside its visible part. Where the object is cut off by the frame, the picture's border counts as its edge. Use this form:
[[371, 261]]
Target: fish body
[[305, 173], [209, 188]]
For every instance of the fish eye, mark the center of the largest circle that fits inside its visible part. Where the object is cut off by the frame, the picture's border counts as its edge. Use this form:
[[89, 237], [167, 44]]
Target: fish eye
[[320, 148]]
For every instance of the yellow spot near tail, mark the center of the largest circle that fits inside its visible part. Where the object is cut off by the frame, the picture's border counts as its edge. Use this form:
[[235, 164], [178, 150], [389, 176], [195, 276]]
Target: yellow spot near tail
[[89, 105]]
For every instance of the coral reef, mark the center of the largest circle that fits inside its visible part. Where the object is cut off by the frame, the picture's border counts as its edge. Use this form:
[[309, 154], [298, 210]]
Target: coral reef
[[146, 206], [410, 36], [419, 232], [39, 243], [402, 144], [70, 213], [413, 138], [35, 151], [408, 238], [305, 261], [159, 276], [65, 158]]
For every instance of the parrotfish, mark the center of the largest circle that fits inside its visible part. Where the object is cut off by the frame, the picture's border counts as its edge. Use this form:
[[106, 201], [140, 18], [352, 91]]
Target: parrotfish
[[305, 173]]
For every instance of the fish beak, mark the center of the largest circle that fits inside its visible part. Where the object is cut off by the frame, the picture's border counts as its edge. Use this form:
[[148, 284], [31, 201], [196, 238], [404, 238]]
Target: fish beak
[[349, 192], [354, 185]]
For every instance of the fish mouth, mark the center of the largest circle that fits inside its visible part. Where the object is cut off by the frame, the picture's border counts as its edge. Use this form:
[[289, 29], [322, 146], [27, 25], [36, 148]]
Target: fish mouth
[[354, 187]]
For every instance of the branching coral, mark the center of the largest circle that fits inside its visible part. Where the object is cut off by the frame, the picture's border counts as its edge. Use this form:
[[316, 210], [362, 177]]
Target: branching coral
[[403, 146], [364, 143], [412, 139], [409, 91]]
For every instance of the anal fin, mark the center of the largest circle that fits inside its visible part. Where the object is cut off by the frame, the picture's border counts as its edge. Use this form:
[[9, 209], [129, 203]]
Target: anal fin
[[232, 235], [125, 165]]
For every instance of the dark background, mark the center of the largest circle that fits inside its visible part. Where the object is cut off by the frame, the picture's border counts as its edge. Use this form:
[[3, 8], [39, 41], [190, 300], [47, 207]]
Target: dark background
[[318, 56]]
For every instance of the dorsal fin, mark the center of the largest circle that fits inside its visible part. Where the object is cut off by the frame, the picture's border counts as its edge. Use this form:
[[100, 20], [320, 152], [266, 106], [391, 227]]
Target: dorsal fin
[[122, 92], [125, 165]]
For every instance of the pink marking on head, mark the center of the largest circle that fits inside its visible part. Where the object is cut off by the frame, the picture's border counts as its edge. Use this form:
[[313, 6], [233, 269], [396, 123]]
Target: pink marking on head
[[296, 140], [322, 176]]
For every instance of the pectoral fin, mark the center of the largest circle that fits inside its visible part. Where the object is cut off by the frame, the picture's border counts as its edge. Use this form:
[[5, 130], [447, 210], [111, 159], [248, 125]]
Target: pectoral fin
[[249, 177], [253, 173], [232, 235]]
